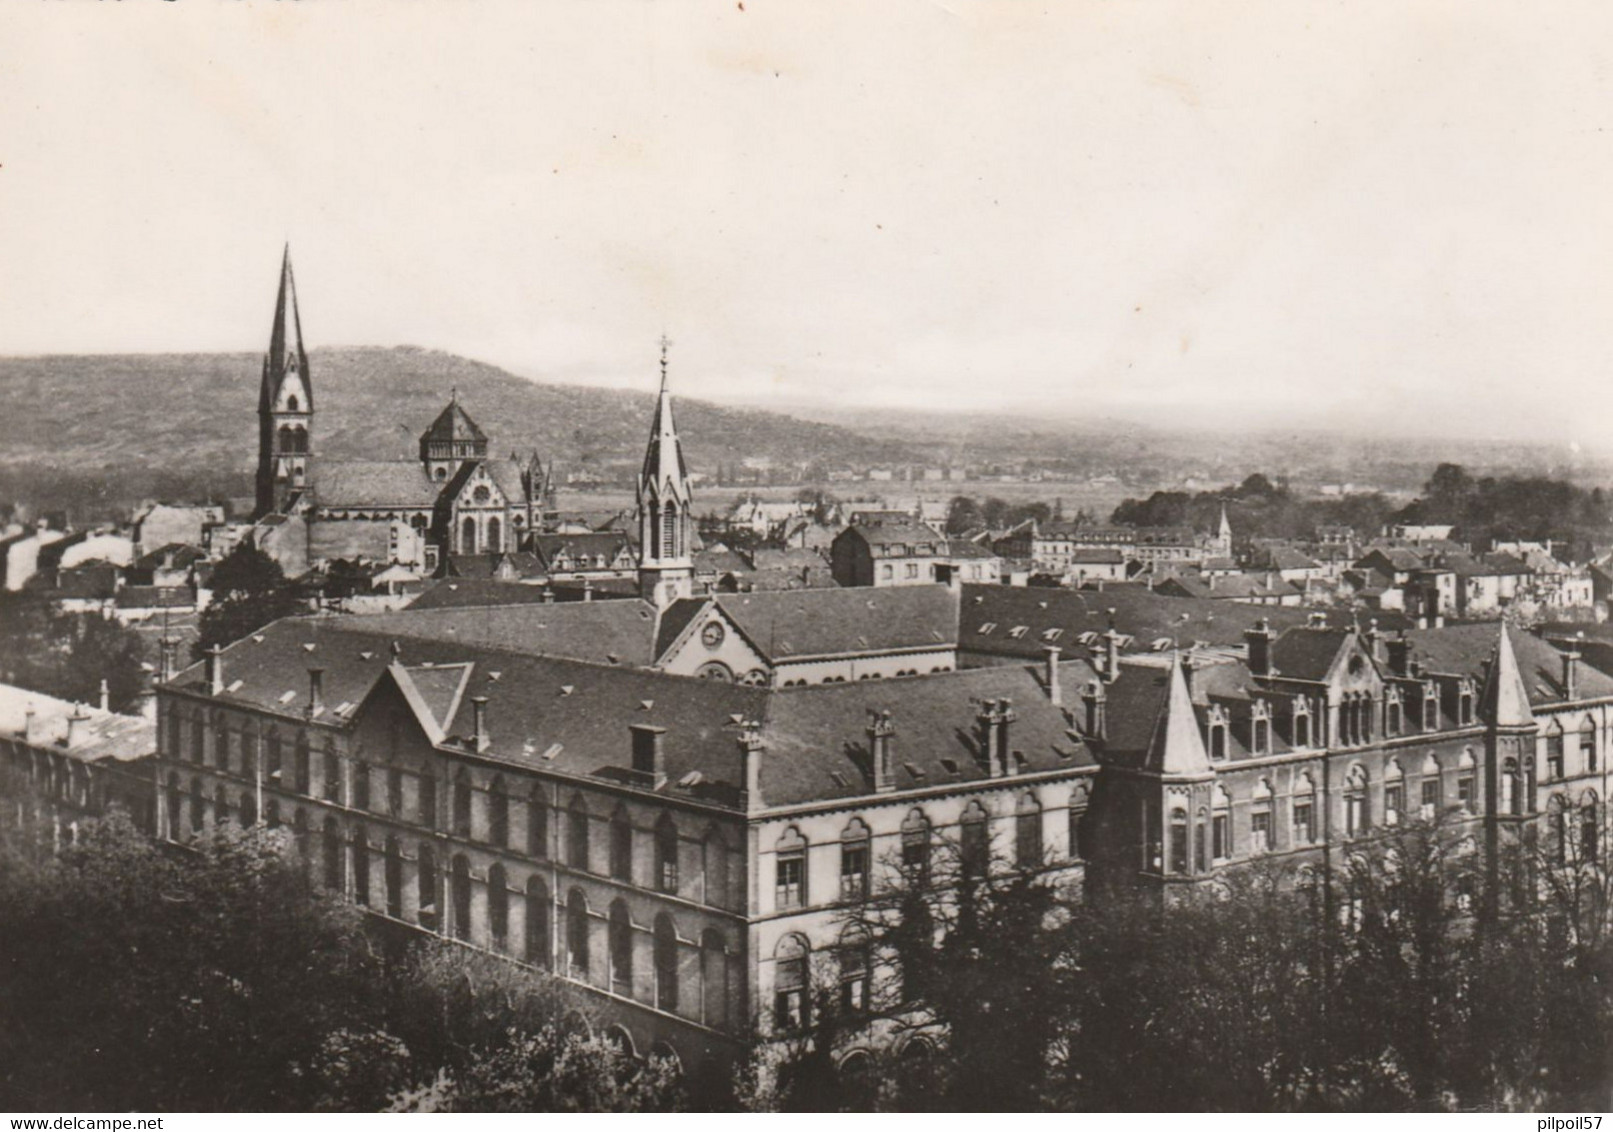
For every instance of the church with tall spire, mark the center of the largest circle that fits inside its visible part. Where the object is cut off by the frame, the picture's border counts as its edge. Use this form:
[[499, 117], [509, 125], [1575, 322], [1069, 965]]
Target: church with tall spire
[[453, 499], [666, 563]]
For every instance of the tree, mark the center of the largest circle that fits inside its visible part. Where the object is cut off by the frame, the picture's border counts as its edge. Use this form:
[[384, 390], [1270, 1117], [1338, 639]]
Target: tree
[[249, 591], [964, 515]]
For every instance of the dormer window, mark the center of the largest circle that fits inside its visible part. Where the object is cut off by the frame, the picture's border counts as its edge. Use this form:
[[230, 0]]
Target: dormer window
[[1392, 714], [1464, 704], [1218, 734], [1430, 707], [1260, 730], [1302, 722]]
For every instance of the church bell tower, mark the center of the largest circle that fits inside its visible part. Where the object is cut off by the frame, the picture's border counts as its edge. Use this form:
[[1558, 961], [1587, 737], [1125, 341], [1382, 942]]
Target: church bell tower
[[285, 405], [666, 568]]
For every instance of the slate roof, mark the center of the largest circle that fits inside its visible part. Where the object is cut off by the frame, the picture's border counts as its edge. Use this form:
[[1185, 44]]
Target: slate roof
[[786, 625], [609, 544], [1139, 613], [371, 483], [899, 534], [454, 423], [605, 632], [458, 593], [572, 718], [1303, 653], [99, 734], [1463, 649]]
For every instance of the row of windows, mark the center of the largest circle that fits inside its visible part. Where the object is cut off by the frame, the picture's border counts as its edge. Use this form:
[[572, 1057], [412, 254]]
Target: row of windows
[[387, 892], [791, 890], [1212, 836]]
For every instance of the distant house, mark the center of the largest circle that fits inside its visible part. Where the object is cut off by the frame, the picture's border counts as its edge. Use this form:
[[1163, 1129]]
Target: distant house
[[905, 552]]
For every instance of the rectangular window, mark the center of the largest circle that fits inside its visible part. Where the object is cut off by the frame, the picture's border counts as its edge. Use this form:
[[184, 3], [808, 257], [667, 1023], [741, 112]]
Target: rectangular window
[[333, 777], [1394, 800], [1430, 797], [1587, 749], [791, 885], [1464, 792], [361, 786], [854, 871], [1179, 862], [1260, 831], [1304, 823], [1554, 756], [1223, 836], [394, 792], [912, 570], [428, 801]]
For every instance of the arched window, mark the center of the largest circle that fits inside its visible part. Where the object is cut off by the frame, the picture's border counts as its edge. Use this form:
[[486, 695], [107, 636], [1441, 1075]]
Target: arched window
[[332, 852], [1590, 827], [1179, 862], [196, 815], [1304, 810], [577, 834], [221, 806], [789, 867], [392, 872], [498, 813], [666, 854], [621, 844], [1511, 788], [361, 866], [666, 963], [498, 907], [537, 921], [916, 848], [249, 809], [1587, 744], [1355, 802], [714, 854], [790, 974], [713, 978], [495, 534], [1392, 714], [1557, 822], [301, 772], [537, 825], [974, 841], [577, 934], [459, 881], [1431, 790], [1554, 750], [426, 887], [854, 854], [1261, 834], [859, 1081], [853, 959], [467, 536], [1466, 781], [1028, 832], [1221, 824], [1218, 734], [620, 932], [249, 752], [669, 531], [462, 804], [1394, 793], [1260, 729], [172, 806]]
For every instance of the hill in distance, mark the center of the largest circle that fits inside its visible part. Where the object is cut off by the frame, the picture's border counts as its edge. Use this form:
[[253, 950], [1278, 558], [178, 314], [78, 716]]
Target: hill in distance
[[199, 411]]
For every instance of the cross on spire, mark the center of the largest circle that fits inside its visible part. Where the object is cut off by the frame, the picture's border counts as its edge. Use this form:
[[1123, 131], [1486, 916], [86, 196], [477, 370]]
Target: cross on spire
[[666, 344]]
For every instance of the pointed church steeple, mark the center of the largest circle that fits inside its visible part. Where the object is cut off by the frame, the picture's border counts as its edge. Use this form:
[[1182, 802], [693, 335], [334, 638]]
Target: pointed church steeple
[[1505, 699], [285, 403], [1176, 748], [666, 569]]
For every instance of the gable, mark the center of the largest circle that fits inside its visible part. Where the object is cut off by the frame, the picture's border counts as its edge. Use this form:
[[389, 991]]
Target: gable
[[712, 637]]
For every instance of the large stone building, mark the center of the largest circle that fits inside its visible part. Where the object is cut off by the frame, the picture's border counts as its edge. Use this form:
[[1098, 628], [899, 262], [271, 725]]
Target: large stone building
[[452, 500]]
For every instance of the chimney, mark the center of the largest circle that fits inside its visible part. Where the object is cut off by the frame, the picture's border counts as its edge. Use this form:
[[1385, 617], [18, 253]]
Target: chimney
[[1258, 642], [1005, 753], [880, 733], [316, 691], [548, 595], [750, 749], [480, 740], [1317, 619], [1570, 675], [649, 754], [1095, 699], [75, 719], [215, 670], [28, 724], [587, 589], [1400, 656], [106, 696], [168, 663], [1111, 650], [986, 719], [1055, 695]]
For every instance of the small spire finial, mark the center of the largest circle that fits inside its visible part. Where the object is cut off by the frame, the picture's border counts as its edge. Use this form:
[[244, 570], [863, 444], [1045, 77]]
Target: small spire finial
[[453, 395], [666, 344]]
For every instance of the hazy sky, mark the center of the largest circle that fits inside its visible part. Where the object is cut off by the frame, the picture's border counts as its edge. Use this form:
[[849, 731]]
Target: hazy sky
[[1393, 214]]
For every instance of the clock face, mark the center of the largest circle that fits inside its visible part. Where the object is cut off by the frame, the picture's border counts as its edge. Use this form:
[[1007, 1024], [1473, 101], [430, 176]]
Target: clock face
[[712, 635]]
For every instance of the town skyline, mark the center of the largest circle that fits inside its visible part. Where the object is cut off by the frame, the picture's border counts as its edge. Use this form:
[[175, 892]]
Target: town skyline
[[1102, 221]]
